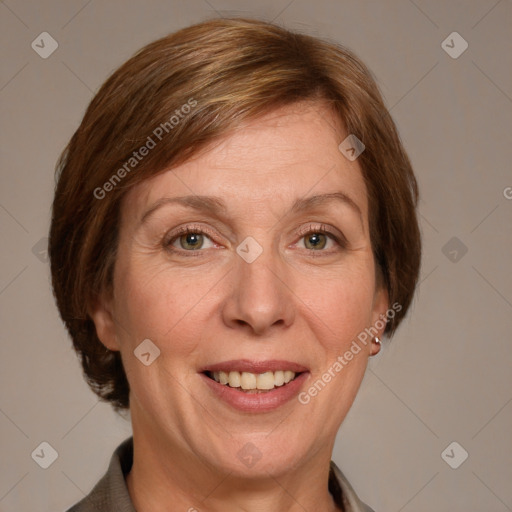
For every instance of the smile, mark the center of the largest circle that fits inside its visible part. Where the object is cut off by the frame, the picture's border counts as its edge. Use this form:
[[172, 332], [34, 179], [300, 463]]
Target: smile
[[255, 386], [253, 382]]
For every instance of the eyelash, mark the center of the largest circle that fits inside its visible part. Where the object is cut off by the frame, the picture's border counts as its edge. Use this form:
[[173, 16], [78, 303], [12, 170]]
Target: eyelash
[[308, 230]]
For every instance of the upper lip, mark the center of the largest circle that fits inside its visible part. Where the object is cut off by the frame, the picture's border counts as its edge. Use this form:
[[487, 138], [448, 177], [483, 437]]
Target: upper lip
[[246, 365]]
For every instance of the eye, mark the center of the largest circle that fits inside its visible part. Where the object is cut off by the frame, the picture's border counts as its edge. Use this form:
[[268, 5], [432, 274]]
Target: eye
[[315, 241], [318, 238], [189, 239]]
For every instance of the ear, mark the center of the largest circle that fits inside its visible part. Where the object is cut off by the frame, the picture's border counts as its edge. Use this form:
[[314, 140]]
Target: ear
[[379, 316], [101, 312]]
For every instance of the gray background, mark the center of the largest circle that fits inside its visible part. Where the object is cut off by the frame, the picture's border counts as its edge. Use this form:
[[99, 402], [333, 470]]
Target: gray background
[[446, 375]]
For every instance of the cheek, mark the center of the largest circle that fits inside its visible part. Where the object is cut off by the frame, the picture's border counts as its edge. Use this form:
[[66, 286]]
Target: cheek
[[339, 304], [169, 308], [161, 303]]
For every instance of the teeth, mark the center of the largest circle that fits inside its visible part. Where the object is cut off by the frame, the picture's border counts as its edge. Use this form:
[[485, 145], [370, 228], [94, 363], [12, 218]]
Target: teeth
[[265, 380], [250, 381], [288, 376], [247, 380], [279, 378], [234, 379]]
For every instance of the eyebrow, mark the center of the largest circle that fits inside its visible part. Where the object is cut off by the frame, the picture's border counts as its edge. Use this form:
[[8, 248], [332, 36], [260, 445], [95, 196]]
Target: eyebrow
[[217, 206]]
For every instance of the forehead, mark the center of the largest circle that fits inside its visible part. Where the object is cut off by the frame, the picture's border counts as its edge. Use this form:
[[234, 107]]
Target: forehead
[[275, 159]]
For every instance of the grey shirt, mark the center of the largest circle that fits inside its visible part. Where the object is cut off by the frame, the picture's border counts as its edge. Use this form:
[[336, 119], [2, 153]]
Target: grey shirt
[[110, 494]]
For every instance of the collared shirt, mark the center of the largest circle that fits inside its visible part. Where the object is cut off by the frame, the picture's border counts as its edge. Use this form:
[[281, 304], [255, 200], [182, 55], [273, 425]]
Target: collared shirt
[[110, 494]]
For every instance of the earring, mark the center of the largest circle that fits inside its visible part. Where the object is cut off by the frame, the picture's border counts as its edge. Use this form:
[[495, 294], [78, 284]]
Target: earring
[[377, 340]]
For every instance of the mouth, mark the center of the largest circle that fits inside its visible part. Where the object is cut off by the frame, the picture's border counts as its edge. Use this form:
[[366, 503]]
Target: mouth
[[249, 382], [255, 386]]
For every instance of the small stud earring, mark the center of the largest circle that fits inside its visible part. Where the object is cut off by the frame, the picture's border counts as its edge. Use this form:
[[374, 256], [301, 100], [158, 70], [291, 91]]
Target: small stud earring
[[377, 340]]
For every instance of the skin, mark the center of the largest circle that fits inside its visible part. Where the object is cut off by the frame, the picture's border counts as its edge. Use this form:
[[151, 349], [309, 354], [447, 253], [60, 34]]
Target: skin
[[297, 301]]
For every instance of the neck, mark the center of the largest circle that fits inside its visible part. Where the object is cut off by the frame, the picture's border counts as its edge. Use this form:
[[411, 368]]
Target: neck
[[163, 474]]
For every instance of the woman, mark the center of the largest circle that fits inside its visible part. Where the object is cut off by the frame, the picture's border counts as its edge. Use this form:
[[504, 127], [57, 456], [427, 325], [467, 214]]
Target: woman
[[234, 230]]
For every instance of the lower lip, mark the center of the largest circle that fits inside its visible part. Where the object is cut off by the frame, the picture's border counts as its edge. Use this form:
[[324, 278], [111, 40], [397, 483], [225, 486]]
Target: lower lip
[[256, 402]]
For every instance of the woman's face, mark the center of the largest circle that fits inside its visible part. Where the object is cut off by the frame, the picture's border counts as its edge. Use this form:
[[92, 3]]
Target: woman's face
[[276, 274]]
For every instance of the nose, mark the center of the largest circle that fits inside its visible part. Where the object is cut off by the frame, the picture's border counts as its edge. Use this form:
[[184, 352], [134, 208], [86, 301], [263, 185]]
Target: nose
[[260, 297]]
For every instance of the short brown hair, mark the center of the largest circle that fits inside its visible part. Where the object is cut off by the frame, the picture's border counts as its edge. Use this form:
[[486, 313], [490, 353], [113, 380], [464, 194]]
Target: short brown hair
[[211, 77]]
